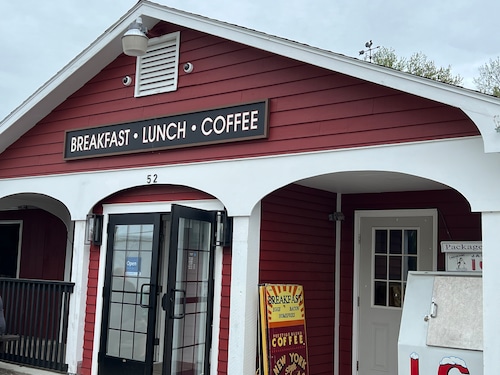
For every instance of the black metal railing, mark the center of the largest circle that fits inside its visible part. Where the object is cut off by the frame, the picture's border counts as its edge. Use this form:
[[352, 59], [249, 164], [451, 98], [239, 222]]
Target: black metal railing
[[37, 311]]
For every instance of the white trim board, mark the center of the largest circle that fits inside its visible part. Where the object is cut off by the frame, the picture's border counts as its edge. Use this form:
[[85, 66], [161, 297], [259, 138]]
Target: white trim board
[[358, 215]]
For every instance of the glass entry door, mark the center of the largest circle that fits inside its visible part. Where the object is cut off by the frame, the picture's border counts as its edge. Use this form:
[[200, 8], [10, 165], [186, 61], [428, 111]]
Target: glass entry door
[[130, 289], [189, 300], [158, 293]]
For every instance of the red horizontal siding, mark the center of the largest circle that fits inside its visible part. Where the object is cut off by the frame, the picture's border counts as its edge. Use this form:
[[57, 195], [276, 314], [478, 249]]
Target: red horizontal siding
[[156, 193], [224, 317], [43, 243], [310, 109], [455, 222], [298, 246]]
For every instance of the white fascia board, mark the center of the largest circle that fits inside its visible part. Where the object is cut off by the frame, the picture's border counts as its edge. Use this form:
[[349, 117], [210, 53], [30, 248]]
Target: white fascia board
[[459, 157]]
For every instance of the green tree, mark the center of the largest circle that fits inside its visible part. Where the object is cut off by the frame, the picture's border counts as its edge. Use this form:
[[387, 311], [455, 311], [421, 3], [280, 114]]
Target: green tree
[[488, 81], [418, 64]]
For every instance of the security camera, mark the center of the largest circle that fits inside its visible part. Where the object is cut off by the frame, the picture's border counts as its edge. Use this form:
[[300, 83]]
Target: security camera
[[188, 67], [126, 80]]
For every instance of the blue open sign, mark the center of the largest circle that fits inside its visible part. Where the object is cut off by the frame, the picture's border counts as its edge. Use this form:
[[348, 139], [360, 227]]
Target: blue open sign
[[133, 265]]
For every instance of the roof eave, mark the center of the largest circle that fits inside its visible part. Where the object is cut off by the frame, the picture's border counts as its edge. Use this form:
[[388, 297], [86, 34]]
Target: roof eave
[[482, 109], [68, 80]]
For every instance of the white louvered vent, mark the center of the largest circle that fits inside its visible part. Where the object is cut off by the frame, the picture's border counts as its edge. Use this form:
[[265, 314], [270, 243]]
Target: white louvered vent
[[157, 70]]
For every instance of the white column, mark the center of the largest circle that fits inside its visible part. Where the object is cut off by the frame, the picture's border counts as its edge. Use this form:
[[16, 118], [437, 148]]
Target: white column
[[79, 276], [491, 288], [244, 294]]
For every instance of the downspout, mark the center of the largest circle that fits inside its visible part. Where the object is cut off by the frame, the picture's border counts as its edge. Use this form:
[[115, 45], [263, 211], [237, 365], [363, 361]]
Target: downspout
[[338, 227]]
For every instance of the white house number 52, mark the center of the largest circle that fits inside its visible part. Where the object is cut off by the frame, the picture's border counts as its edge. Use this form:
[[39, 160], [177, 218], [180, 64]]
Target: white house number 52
[[152, 178]]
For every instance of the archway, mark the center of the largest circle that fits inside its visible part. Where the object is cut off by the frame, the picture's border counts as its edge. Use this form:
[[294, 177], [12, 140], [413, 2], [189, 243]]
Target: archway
[[42, 248], [309, 236], [144, 252], [36, 236]]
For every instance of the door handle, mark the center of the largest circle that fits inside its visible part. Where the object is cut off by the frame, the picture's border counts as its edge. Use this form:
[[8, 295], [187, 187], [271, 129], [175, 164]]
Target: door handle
[[164, 302], [432, 312], [148, 294], [172, 299]]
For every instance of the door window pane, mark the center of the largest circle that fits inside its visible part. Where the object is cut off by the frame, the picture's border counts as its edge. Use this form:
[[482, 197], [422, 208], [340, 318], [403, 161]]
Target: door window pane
[[390, 268], [193, 258], [395, 244], [127, 324], [380, 293], [380, 267], [410, 265], [113, 343], [380, 241], [395, 294], [410, 242], [394, 268]]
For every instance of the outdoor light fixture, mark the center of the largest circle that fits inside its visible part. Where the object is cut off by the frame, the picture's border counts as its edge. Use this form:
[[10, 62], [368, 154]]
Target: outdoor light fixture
[[496, 120], [336, 216], [224, 233], [135, 41], [94, 229]]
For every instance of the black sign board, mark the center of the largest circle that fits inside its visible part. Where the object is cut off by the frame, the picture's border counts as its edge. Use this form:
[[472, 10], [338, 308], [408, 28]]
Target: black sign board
[[230, 124]]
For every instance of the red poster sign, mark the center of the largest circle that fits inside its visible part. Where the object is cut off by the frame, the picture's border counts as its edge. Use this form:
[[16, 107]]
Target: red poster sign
[[283, 330]]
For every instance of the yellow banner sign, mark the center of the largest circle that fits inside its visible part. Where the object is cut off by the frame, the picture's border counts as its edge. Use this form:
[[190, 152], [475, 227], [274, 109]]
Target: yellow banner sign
[[282, 330]]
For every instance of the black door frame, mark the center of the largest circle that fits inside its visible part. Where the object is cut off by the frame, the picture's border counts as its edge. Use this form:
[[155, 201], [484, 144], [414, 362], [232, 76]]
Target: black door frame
[[112, 365], [177, 213]]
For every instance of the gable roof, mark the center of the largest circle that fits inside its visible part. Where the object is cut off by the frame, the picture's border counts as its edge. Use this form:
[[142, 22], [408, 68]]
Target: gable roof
[[484, 110]]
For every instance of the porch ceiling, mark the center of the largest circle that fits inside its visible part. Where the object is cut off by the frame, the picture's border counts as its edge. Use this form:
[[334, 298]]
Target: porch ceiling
[[370, 182], [25, 201]]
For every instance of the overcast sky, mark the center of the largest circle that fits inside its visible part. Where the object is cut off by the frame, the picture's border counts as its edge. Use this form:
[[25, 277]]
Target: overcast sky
[[460, 33]]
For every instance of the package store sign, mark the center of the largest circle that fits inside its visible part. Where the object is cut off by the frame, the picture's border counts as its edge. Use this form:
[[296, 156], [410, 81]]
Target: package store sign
[[463, 255], [228, 124], [461, 246], [283, 349]]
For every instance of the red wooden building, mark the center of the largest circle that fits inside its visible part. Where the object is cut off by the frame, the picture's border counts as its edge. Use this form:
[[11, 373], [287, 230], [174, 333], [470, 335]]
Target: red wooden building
[[310, 158]]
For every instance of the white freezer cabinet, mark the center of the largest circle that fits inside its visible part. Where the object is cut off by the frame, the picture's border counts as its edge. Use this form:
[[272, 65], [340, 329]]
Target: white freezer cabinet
[[441, 330]]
